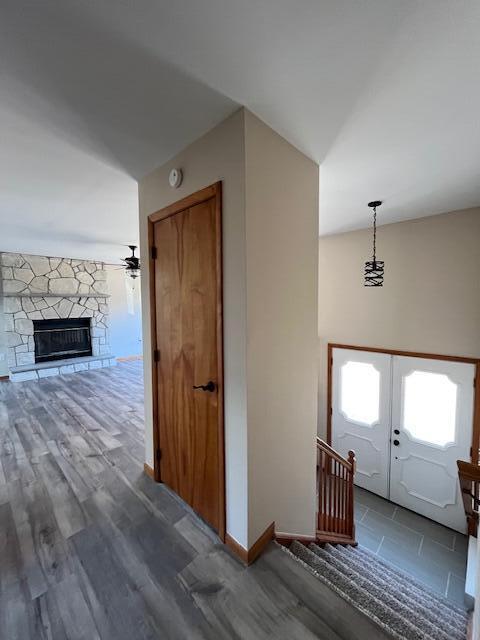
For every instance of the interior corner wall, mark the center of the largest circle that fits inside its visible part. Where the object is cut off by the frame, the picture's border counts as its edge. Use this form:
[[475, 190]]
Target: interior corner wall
[[282, 345], [430, 301], [218, 155]]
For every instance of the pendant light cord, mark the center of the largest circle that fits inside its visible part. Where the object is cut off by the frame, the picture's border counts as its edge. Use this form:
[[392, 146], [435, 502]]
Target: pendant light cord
[[374, 233]]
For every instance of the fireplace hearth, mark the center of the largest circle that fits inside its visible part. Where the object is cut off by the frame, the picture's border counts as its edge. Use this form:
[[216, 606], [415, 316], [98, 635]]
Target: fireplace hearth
[[58, 339]]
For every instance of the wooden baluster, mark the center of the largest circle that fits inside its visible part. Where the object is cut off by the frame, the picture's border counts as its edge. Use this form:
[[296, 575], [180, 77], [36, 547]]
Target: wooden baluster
[[334, 488], [319, 486], [351, 459], [327, 493], [340, 490], [330, 494], [322, 497], [335, 521], [340, 498], [321, 494], [324, 491], [325, 521]]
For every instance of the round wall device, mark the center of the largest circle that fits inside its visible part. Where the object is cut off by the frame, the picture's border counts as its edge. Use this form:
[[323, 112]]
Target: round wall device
[[175, 178]]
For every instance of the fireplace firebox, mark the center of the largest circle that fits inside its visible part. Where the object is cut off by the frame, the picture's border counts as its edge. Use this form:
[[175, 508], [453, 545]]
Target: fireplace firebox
[[57, 339]]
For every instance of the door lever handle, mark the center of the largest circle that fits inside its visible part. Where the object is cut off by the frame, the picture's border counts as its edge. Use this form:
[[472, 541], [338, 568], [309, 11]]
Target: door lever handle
[[210, 386]]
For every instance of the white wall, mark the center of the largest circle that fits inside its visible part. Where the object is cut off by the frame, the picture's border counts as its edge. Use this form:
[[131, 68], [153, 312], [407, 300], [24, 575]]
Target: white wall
[[282, 309], [125, 329], [430, 301], [219, 155], [476, 611]]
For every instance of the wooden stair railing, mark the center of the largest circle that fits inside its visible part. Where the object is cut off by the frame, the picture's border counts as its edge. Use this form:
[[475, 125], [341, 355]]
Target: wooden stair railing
[[469, 478], [335, 522]]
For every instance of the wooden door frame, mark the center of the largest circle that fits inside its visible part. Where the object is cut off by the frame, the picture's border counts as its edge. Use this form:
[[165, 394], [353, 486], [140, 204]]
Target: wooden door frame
[[474, 452], [213, 191]]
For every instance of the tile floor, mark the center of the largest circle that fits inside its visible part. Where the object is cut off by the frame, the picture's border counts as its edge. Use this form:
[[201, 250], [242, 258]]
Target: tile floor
[[435, 555]]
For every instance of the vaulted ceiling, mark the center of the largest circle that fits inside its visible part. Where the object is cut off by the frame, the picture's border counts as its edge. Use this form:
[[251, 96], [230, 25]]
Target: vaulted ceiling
[[383, 94]]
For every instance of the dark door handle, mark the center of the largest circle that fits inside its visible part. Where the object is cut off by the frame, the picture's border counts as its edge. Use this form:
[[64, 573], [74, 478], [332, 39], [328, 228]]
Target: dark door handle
[[210, 386], [396, 432], [396, 442]]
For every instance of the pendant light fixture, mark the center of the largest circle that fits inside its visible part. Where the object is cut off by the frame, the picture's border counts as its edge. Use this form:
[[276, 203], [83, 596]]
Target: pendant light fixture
[[374, 269]]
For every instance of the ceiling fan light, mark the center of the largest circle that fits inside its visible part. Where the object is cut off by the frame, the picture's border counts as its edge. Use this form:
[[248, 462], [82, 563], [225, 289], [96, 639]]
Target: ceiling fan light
[[132, 272]]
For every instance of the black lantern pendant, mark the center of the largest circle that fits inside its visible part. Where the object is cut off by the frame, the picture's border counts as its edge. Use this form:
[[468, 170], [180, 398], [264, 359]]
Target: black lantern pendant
[[374, 269]]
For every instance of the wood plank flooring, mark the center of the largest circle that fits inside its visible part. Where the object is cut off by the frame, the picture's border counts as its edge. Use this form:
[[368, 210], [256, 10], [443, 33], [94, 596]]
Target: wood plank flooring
[[93, 549]]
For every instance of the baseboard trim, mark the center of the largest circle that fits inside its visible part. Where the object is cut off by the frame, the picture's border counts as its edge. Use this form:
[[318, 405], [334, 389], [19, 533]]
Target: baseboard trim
[[335, 538], [237, 548], [285, 539], [248, 556], [149, 471], [261, 543]]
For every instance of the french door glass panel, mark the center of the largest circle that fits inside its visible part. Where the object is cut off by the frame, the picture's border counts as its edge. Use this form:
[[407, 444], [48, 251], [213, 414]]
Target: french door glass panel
[[361, 414], [432, 410]]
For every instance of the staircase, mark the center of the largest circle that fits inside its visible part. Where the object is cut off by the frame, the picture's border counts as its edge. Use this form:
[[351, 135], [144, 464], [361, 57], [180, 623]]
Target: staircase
[[335, 521], [400, 605], [403, 607]]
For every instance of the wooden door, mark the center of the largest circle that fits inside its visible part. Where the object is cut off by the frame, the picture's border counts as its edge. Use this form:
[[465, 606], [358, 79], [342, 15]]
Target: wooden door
[[188, 331], [432, 414], [361, 414]]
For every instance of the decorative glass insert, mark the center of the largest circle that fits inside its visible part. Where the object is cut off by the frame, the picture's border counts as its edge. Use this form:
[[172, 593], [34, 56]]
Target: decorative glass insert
[[430, 407], [360, 392]]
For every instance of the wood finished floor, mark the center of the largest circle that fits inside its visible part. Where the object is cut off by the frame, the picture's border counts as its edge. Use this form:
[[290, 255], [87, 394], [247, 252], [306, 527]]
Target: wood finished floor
[[91, 548]]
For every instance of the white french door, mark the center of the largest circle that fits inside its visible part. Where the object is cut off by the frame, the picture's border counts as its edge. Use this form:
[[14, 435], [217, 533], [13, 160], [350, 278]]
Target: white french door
[[432, 415], [408, 420], [361, 414]]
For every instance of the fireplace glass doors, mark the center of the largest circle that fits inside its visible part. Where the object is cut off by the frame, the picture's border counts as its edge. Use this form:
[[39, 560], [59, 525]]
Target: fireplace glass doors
[[58, 339]]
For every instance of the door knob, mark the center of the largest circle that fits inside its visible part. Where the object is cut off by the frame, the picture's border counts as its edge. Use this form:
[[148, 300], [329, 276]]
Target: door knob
[[210, 386], [396, 442], [396, 432]]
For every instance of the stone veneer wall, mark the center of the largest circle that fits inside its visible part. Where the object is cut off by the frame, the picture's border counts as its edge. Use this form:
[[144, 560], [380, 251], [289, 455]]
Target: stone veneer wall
[[38, 287]]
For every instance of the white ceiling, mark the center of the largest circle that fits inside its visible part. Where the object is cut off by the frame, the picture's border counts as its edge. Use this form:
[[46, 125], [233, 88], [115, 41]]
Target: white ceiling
[[384, 94]]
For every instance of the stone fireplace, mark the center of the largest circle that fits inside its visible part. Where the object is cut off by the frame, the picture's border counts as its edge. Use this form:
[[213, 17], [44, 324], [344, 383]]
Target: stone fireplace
[[56, 315]]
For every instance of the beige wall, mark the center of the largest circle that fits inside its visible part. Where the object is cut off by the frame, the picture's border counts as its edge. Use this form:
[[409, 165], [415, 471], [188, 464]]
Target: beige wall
[[219, 155], [430, 301], [282, 366], [270, 230]]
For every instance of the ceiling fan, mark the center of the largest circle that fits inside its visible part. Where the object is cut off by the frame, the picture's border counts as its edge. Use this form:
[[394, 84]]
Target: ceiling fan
[[132, 263]]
